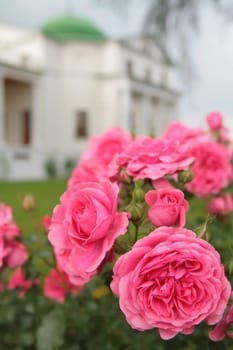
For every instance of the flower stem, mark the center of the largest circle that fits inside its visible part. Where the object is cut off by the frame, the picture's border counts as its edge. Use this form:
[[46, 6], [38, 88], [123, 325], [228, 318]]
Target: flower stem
[[136, 232]]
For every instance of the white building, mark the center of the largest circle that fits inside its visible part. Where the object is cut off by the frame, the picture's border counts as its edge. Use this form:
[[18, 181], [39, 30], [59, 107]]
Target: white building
[[67, 82]]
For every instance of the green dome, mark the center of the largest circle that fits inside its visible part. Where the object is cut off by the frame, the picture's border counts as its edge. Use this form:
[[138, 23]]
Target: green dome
[[69, 28]]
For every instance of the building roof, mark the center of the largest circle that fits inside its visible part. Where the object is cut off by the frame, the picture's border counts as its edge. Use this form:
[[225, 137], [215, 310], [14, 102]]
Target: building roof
[[71, 28]]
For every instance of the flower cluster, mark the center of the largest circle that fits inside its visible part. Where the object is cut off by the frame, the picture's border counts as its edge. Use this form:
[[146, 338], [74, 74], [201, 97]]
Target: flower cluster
[[125, 210], [125, 216]]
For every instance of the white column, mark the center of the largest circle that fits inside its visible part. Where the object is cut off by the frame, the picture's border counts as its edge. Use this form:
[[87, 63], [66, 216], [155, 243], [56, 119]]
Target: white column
[[2, 112], [37, 121], [162, 117], [155, 114], [148, 122], [172, 111], [4, 161], [169, 113], [126, 109]]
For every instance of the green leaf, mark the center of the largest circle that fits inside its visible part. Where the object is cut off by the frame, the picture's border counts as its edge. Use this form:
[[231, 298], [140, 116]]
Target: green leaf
[[50, 334]]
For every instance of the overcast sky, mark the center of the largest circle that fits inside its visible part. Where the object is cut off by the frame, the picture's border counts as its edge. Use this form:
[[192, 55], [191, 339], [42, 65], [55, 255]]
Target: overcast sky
[[212, 50]]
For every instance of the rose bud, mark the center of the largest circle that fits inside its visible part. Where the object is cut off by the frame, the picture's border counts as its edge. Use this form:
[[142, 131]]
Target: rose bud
[[28, 203]]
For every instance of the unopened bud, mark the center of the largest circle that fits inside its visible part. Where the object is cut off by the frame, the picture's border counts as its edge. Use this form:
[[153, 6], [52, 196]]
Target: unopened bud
[[28, 203], [136, 211], [124, 177], [45, 222], [231, 267], [138, 195], [139, 183], [185, 176]]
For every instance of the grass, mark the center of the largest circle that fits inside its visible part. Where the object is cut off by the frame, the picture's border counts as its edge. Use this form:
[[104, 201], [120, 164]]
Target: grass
[[46, 194]]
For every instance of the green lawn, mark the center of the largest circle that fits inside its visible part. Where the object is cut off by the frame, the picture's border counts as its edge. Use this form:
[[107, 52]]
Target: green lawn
[[46, 194]]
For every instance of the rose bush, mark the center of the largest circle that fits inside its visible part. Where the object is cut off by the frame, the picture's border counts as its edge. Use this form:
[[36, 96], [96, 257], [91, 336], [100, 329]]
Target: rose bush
[[146, 216], [165, 278]]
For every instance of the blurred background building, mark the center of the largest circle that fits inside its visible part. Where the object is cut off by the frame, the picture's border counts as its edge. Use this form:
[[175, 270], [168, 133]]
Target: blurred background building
[[73, 78], [68, 81]]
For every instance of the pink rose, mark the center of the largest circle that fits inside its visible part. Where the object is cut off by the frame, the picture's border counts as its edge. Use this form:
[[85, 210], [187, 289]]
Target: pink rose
[[95, 163], [57, 285], [15, 254], [221, 205], [84, 228], [161, 183], [17, 279], [167, 207], [7, 227], [88, 171], [214, 121], [12, 253], [104, 147], [224, 136], [212, 169], [153, 158], [221, 329], [185, 135], [171, 280], [45, 222], [216, 206]]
